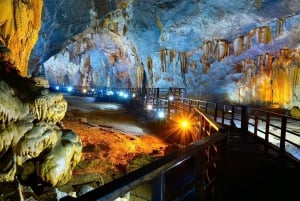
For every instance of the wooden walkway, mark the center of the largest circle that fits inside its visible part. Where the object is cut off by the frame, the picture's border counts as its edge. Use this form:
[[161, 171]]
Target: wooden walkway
[[253, 172]]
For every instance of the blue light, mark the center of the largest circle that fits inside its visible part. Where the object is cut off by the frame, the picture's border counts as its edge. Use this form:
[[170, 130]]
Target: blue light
[[161, 114], [70, 89], [109, 93], [57, 88], [121, 93]]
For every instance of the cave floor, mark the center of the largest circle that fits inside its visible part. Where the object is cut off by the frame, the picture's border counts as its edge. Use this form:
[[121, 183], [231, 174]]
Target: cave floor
[[114, 142]]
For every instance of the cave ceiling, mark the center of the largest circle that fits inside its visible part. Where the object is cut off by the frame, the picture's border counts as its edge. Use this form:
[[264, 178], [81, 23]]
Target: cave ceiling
[[220, 50]]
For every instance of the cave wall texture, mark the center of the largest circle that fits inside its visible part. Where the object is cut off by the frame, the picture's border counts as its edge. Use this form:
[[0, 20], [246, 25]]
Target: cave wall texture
[[225, 50], [31, 134], [20, 23]]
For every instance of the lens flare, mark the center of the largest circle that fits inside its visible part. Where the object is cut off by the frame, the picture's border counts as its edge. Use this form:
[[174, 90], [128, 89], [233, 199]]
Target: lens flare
[[181, 129]]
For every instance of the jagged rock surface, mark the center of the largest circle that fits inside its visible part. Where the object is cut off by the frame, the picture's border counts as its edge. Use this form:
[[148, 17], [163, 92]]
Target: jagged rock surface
[[229, 51], [30, 132]]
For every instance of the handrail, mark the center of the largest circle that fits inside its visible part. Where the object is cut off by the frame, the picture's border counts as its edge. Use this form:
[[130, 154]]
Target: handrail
[[276, 130], [209, 134], [203, 158], [124, 184], [211, 122]]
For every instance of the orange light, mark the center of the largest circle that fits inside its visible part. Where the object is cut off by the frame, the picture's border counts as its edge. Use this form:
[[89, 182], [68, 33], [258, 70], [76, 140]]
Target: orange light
[[181, 128], [184, 124]]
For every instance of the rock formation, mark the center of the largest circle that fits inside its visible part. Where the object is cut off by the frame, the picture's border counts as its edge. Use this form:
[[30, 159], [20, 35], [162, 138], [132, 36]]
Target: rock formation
[[199, 46], [20, 23], [30, 131]]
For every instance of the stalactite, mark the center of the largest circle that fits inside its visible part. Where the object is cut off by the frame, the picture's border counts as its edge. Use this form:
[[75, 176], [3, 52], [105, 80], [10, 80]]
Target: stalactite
[[280, 27], [248, 39], [194, 65], [140, 75], [124, 30], [183, 58], [238, 45], [207, 46], [268, 62], [264, 35], [172, 55], [222, 49], [150, 70], [163, 65], [112, 59], [183, 62], [207, 49]]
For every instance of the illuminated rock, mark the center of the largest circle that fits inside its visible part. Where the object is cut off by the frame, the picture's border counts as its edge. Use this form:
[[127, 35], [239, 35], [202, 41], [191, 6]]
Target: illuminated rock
[[20, 23], [56, 167], [29, 128], [295, 112]]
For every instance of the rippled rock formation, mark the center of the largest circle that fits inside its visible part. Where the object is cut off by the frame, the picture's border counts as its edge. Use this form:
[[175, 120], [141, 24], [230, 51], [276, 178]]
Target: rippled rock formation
[[30, 131]]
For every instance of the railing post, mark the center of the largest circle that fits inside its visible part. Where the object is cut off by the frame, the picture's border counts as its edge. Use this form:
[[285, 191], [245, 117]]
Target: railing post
[[169, 109], [200, 174], [232, 115], [244, 119], [216, 112], [267, 129], [255, 123], [283, 134], [158, 188], [223, 114]]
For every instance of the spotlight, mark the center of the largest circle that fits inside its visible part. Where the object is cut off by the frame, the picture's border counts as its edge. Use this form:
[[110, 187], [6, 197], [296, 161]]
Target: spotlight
[[133, 95], [121, 93], [161, 114], [57, 88], [84, 91], [149, 107], [171, 98], [184, 124], [69, 89]]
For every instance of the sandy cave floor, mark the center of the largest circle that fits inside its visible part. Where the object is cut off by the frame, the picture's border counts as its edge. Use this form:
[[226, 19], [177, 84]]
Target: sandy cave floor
[[114, 142]]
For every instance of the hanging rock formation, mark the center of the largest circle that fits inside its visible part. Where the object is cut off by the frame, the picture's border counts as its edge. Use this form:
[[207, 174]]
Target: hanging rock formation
[[20, 23]]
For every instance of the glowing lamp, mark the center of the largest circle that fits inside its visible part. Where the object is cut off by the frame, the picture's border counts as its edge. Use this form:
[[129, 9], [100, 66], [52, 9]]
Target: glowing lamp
[[149, 107], [171, 98], [84, 91], [121, 93], [57, 88], [184, 124], [161, 114], [69, 89], [133, 95]]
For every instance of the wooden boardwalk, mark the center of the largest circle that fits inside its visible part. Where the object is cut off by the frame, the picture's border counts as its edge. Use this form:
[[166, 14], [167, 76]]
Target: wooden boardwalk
[[253, 172]]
